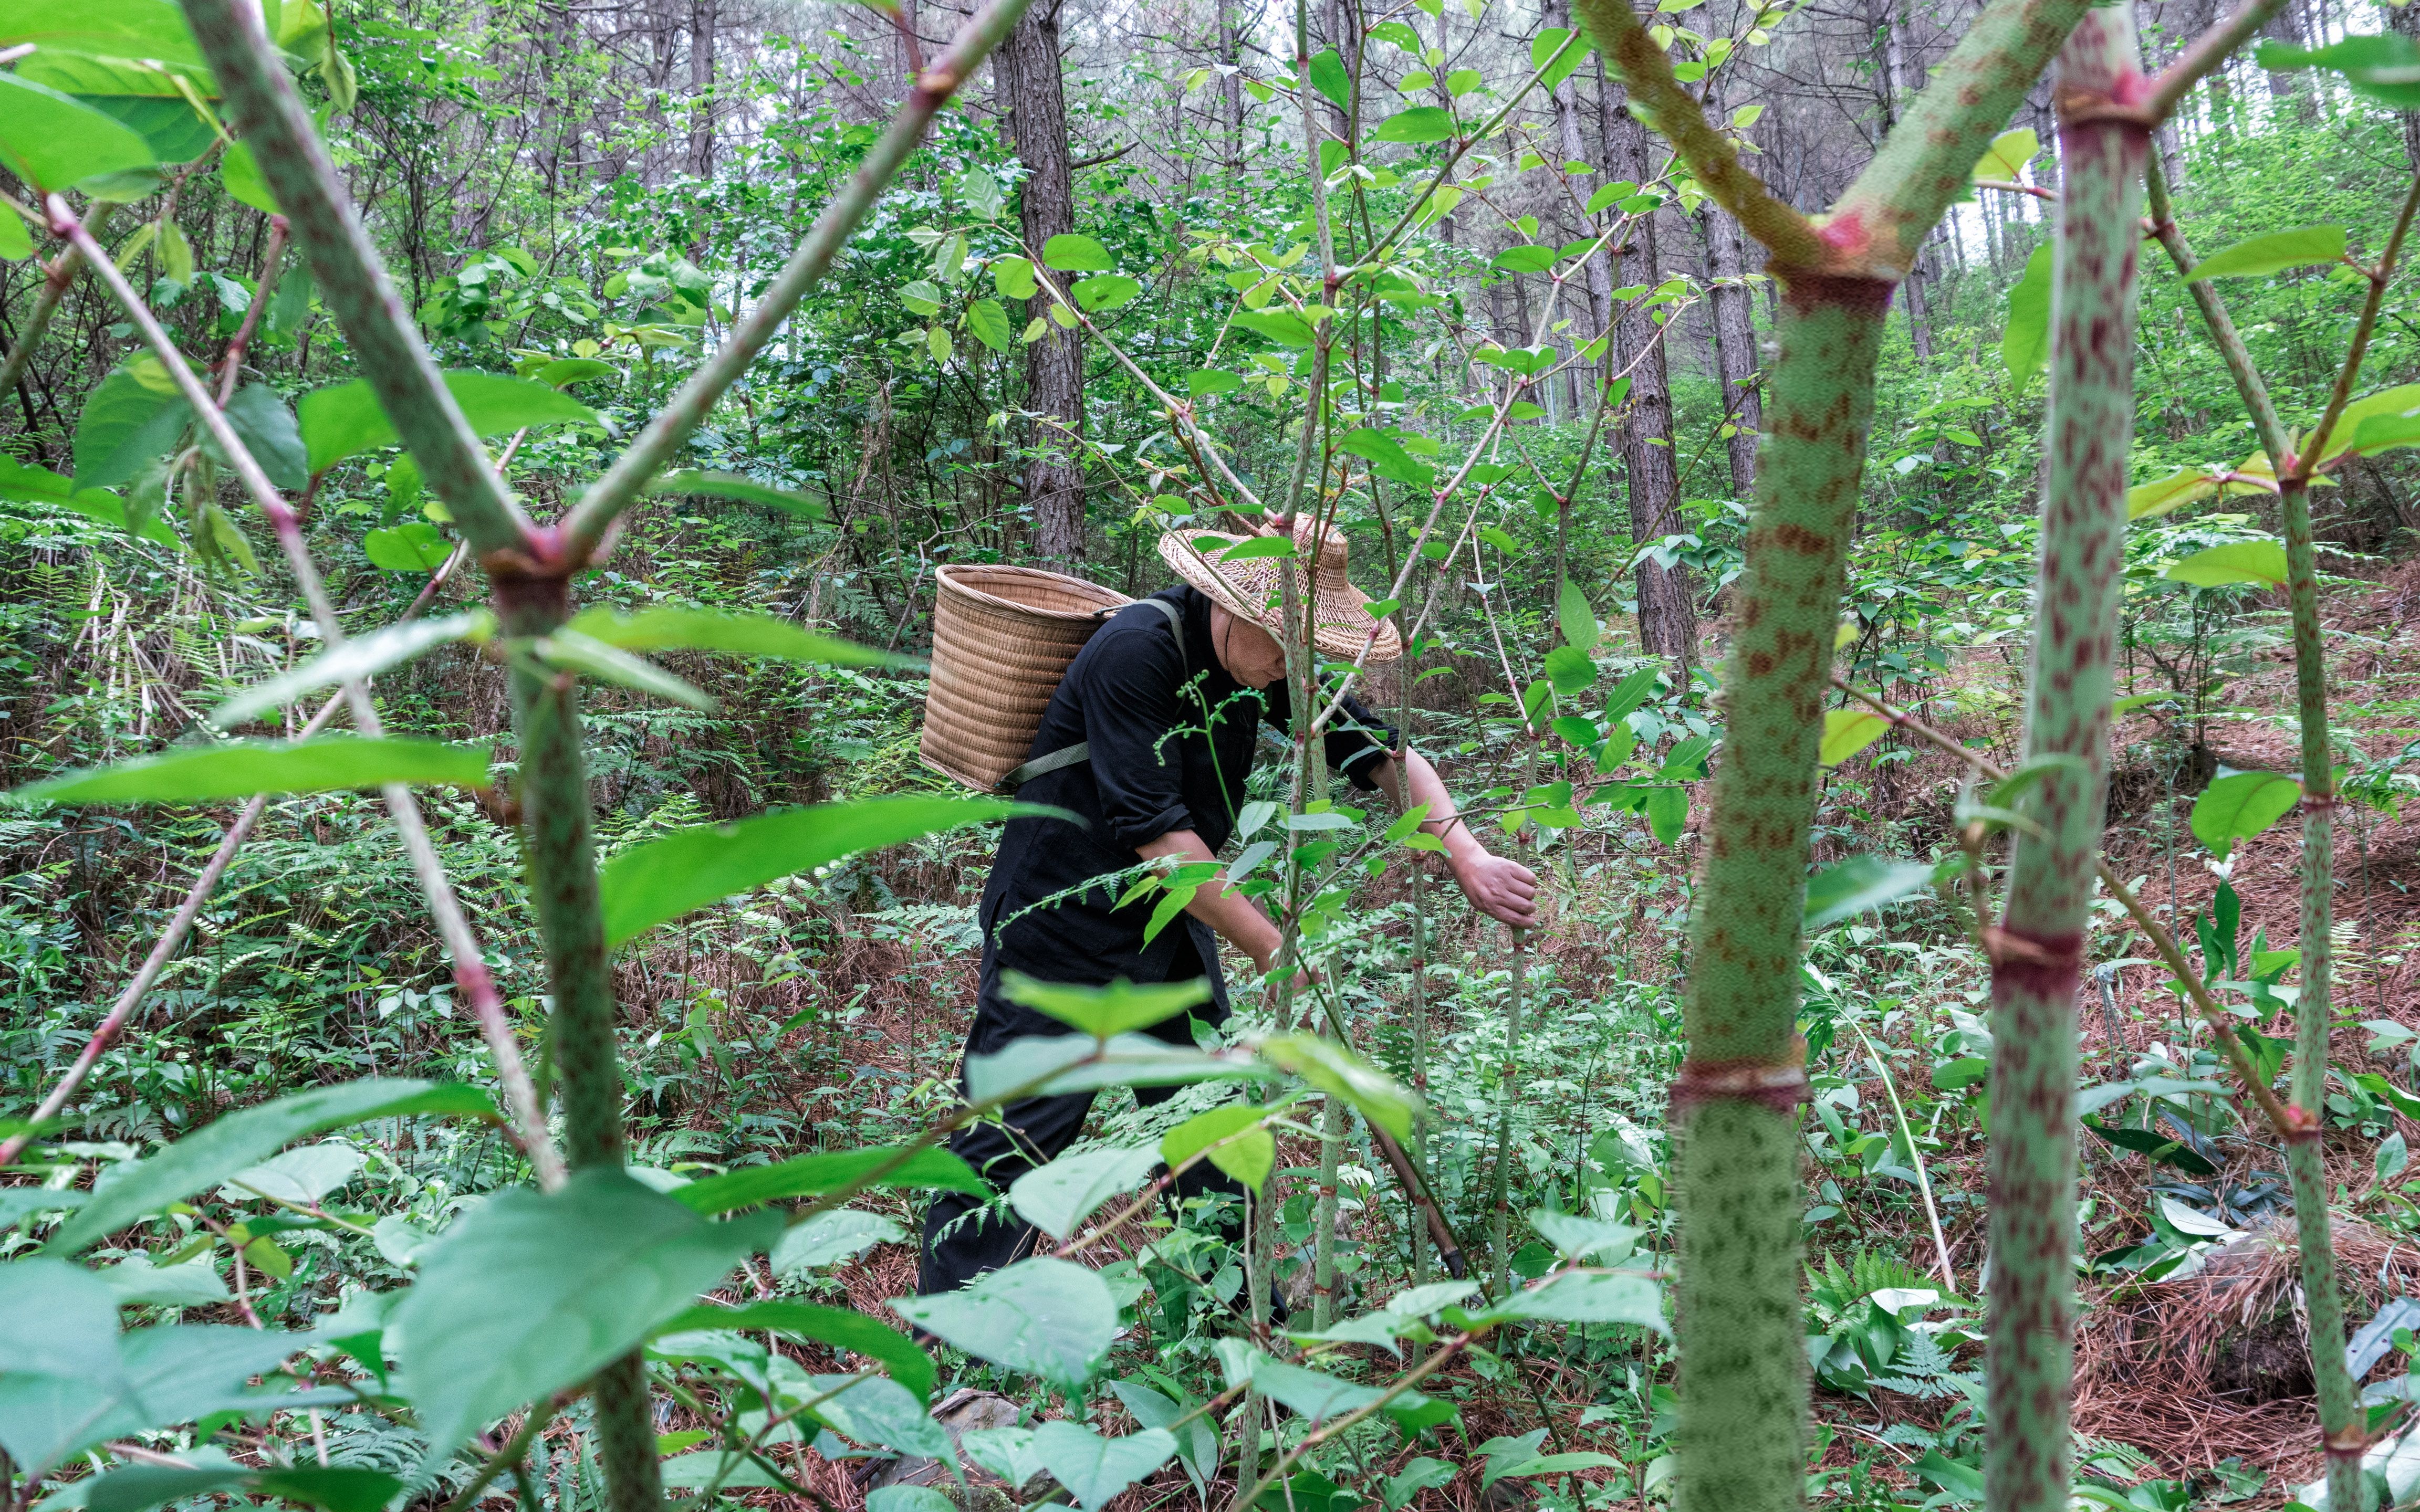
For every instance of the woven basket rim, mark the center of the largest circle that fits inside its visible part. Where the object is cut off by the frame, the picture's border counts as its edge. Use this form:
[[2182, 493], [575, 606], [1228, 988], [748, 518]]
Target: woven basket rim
[[950, 578]]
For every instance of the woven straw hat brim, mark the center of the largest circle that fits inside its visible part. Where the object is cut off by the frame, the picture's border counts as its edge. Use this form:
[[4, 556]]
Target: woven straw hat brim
[[1342, 625]]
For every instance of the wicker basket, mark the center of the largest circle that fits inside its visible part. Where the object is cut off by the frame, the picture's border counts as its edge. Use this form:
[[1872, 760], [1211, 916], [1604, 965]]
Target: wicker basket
[[1002, 637]]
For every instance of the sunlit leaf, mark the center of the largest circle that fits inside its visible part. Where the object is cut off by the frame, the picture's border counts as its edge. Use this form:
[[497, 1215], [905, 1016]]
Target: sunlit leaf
[[1045, 1318], [2240, 806], [662, 879], [2175, 491], [532, 1291], [737, 489], [2025, 345], [1421, 123], [740, 635], [2384, 66], [1071, 253], [52, 140], [345, 420], [1104, 1012], [233, 1141], [2273, 253], [362, 657], [2236, 562], [1862, 883], [241, 768], [1847, 732], [1340, 1072], [414, 545], [1237, 1145], [2007, 155]]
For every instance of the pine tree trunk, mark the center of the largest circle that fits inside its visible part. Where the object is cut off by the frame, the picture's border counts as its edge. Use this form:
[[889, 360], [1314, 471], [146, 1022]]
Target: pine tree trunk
[[1734, 342], [1054, 373], [1667, 616]]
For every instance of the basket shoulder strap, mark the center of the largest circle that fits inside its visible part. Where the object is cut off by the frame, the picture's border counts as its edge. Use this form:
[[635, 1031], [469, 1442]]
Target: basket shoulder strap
[[1082, 749]]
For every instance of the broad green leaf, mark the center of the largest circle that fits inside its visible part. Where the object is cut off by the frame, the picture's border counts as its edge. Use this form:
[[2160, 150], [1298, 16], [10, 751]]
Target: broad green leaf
[[741, 635], [16, 237], [247, 1136], [1387, 457], [1013, 277], [1045, 1318], [569, 648], [1575, 616], [739, 489], [529, 1292], [1847, 732], [1847, 888], [2240, 806], [840, 1170], [1585, 1239], [1544, 48], [120, 29], [1281, 325], [1629, 694], [414, 545], [1571, 668], [1340, 1072], [2238, 561], [52, 140], [2007, 155], [989, 324], [337, 1487], [831, 1237], [908, 1365], [2175, 491], [1202, 385], [126, 424], [566, 371], [301, 1176], [2273, 253], [2025, 345], [242, 176], [662, 879], [265, 428], [1104, 291], [1586, 1297], [1057, 1197], [1327, 75], [2385, 66], [345, 421], [2389, 409], [1667, 814], [1093, 1469], [1525, 260], [239, 768], [1196, 1445], [1421, 123], [1069, 252], [1104, 1012], [1055, 1065], [362, 657], [1319, 1397], [1246, 1156], [1253, 547], [878, 1413], [1563, 1464], [703, 1467]]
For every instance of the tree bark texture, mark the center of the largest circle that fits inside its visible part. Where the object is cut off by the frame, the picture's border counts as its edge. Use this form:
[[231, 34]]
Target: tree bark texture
[[1734, 342], [1054, 368], [1668, 617]]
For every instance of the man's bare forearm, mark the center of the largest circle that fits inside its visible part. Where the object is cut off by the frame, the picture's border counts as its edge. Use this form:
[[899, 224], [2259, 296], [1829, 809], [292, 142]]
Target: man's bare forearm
[[1237, 919]]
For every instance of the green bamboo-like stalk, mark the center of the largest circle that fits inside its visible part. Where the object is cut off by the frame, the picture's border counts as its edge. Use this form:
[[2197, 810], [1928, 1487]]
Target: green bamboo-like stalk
[[2341, 1420], [1507, 1079], [1743, 1398], [2037, 951]]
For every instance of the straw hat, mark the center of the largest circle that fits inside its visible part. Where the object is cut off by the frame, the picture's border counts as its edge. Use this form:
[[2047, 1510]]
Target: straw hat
[[1249, 589]]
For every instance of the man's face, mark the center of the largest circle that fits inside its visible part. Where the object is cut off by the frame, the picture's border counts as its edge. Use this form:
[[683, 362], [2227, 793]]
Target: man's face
[[1251, 654]]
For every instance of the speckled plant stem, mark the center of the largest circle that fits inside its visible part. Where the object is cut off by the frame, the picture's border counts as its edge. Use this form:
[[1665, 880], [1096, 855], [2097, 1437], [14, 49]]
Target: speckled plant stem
[[2037, 951], [1741, 1443]]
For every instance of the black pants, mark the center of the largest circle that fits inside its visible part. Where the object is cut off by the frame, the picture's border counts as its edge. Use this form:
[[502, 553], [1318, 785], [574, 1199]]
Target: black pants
[[1031, 1133]]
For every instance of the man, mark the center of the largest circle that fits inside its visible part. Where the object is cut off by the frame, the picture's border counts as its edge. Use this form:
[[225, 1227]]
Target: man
[[1165, 705]]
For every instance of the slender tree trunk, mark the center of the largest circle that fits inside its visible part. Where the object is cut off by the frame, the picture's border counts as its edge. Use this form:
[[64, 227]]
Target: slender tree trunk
[[1231, 95], [701, 88], [1574, 145], [1734, 342], [1054, 372], [1668, 617], [2037, 951]]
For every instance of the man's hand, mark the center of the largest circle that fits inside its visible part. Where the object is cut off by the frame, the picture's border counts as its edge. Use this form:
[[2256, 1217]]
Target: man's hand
[[1500, 888]]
